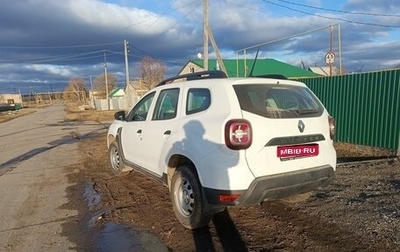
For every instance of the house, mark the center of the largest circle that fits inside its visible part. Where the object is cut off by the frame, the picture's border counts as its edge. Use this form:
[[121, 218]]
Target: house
[[117, 93], [10, 99], [240, 68], [325, 70], [10, 102]]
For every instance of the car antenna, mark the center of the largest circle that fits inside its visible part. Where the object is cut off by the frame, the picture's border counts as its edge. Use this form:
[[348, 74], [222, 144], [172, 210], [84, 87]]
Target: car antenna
[[254, 63]]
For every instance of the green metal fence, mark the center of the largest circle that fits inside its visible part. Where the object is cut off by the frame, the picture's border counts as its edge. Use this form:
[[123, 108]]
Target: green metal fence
[[366, 106]]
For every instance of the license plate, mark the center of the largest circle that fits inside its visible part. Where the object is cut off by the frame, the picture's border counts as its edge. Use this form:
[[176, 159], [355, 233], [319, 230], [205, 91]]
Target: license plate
[[308, 150]]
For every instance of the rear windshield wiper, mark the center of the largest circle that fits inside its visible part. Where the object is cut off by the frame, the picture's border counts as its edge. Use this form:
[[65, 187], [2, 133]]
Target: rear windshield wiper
[[306, 111]]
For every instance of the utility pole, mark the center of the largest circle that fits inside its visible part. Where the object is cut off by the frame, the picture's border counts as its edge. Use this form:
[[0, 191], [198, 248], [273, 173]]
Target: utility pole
[[91, 96], [205, 35], [105, 78], [91, 84], [126, 46], [219, 57]]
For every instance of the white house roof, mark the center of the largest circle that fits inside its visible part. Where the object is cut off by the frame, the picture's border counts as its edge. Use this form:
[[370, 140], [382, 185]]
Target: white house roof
[[325, 70]]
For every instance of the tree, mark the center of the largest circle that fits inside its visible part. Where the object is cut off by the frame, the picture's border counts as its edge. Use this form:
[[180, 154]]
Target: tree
[[76, 90], [150, 72], [100, 84]]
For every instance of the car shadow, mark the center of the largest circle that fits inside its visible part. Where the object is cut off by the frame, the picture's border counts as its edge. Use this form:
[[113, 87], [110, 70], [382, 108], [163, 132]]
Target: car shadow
[[226, 232]]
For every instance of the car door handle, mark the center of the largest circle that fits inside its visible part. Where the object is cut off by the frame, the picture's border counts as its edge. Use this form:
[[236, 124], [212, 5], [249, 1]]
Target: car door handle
[[139, 132], [168, 132]]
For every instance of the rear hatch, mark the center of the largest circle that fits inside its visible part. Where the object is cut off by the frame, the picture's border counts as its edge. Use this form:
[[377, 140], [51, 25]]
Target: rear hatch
[[290, 128]]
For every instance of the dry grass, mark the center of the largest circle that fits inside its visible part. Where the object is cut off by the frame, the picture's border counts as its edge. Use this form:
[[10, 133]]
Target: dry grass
[[79, 113], [352, 150], [74, 113], [9, 115]]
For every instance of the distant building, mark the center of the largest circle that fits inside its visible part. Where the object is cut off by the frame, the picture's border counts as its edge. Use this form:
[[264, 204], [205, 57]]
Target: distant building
[[240, 68], [10, 102], [117, 93], [10, 99], [325, 70]]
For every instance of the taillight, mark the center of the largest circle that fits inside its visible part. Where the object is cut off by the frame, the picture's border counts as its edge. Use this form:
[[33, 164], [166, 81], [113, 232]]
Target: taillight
[[226, 198], [238, 134], [332, 127]]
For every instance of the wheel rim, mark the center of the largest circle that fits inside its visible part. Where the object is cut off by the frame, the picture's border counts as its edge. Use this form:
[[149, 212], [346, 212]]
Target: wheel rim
[[185, 197], [115, 158]]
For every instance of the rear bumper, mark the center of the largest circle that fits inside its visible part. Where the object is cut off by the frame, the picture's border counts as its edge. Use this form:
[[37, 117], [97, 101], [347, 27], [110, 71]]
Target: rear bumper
[[276, 186]]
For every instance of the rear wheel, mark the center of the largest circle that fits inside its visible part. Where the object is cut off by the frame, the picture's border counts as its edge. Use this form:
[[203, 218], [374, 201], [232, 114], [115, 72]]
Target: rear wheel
[[114, 154], [187, 198]]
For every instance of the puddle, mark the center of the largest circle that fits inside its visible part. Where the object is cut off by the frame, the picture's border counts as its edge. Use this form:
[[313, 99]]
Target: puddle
[[92, 197], [116, 237]]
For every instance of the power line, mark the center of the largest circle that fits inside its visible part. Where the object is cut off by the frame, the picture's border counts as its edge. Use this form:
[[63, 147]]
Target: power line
[[332, 18], [70, 57], [264, 12], [182, 18], [166, 30], [58, 47], [159, 16], [59, 58], [38, 59], [244, 6], [286, 38], [145, 20], [115, 52], [341, 11]]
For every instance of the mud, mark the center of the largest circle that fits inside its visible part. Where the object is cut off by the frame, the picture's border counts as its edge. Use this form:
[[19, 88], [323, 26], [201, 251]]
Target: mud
[[358, 211]]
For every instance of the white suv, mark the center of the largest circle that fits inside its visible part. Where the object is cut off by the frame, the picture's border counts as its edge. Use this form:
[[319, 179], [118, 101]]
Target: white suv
[[217, 141]]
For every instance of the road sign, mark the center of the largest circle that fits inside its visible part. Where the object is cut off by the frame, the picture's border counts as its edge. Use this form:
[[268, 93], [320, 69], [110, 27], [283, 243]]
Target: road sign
[[330, 58]]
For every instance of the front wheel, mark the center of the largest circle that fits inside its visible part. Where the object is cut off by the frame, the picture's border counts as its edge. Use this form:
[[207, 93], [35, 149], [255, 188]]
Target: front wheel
[[114, 154], [187, 198]]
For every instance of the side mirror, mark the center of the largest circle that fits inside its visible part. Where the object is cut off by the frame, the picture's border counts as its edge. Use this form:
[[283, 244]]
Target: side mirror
[[120, 115]]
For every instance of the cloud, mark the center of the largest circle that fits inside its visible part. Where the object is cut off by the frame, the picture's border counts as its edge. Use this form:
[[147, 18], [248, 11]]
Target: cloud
[[50, 41], [51, 69]]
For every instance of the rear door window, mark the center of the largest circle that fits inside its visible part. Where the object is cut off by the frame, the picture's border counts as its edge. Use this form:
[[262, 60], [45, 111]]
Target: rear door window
[[278, 101], [198, 99]]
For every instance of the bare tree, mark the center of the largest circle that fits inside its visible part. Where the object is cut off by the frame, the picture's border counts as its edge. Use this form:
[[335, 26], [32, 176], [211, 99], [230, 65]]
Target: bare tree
[[76, 90], [100, 84], [150, 72]]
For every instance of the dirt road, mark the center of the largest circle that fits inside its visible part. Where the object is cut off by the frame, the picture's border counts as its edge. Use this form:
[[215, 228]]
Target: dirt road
[[34, 152]]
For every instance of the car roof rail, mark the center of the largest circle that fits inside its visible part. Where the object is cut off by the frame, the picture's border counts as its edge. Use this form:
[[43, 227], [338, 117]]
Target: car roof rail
[[214, 74], [272, 76]]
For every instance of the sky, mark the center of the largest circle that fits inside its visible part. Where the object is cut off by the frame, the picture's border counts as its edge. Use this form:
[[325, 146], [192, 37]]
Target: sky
[[45, 43]]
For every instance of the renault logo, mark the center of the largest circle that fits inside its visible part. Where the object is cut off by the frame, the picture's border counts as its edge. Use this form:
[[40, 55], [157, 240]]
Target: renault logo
[[301, 126]]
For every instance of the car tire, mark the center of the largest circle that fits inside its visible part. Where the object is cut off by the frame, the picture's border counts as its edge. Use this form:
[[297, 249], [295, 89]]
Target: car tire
[[187, 198], [117, 165]]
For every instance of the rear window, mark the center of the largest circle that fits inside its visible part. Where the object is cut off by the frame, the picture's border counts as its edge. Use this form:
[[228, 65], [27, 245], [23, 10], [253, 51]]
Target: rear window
[[278, 101], [198, 99]]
